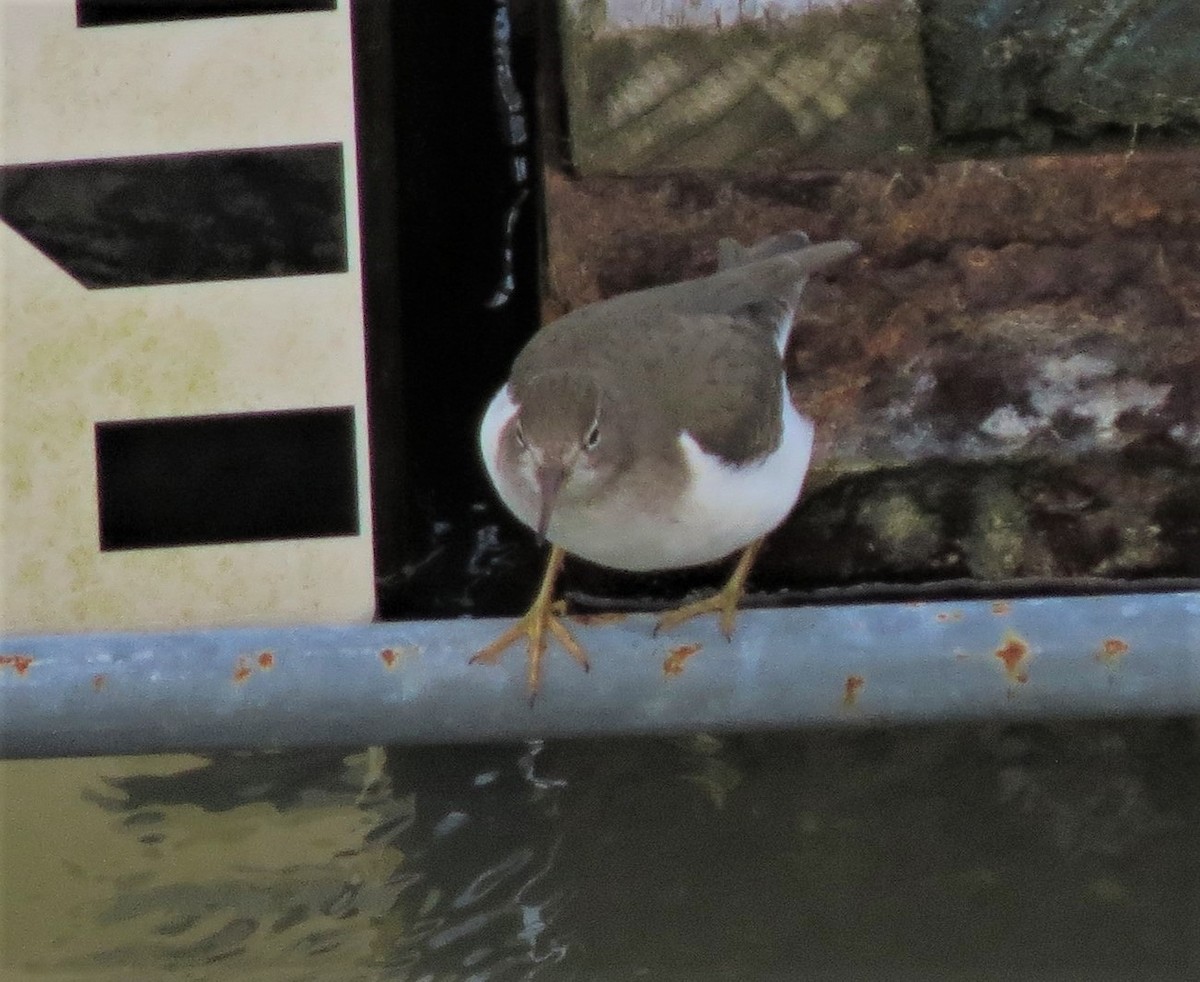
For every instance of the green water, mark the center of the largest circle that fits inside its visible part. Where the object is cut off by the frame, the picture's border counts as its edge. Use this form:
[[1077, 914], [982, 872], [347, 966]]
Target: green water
[[1064, 851]]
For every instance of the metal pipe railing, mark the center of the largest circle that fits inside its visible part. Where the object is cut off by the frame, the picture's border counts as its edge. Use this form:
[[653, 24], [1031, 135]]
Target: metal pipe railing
[[409, 682]]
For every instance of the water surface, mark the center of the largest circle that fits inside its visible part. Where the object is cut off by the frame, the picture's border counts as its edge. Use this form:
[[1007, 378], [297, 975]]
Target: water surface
[[1049, 851]]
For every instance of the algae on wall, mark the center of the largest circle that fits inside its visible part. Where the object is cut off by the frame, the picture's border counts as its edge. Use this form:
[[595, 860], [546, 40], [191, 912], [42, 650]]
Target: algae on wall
[[1036, 73], [1004, 382]]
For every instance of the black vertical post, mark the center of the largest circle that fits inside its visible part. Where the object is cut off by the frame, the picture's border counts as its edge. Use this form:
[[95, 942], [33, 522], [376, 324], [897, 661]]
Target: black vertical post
[[435, 161]]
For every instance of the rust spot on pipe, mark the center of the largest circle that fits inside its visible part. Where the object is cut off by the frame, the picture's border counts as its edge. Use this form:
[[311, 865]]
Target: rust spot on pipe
[[242, 670], [99, 682], [1014, 652], [949, 616], [266, 660], [391, 657], [673, 665], [18, 663], [1111, 650], [1001, 607], [854, 685]]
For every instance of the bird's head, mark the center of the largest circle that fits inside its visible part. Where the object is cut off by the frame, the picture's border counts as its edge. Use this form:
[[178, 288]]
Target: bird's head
[[565, 441]]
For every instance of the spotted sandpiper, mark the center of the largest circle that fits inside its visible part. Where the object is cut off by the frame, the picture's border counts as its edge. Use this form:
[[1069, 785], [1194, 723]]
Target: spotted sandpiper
[[654, 430]]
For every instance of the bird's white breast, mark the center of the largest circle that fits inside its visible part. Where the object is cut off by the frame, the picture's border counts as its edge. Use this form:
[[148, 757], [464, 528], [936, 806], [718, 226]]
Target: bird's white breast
[[722, 509], [726, 508]]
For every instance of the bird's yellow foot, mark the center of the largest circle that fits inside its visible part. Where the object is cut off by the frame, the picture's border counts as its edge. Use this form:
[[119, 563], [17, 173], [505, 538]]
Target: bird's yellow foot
[[543, 617], [724, 602], [534, 626]]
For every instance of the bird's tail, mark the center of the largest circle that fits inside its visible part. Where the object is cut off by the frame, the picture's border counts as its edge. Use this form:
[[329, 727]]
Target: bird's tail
[[731, 253], [796, 245]]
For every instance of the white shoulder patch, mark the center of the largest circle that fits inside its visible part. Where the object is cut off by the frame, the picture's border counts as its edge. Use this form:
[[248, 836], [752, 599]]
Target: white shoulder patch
[[499, 412], [732, 506]]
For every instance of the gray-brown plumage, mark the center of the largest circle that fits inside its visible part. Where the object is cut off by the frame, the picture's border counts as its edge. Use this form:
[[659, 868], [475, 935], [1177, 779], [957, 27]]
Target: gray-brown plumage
[[716, 341], [653, 430]]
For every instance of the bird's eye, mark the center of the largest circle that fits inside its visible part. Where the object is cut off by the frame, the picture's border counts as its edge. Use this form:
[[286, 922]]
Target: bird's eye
[[593, 437]]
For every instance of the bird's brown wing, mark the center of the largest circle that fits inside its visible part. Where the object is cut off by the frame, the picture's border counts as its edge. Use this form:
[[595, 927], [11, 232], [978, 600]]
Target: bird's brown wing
[[714, 368], [725, 385]]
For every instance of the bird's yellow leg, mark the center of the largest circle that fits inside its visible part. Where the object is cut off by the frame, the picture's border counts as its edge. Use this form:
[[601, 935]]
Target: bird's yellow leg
[[544, 615], [723, 603]]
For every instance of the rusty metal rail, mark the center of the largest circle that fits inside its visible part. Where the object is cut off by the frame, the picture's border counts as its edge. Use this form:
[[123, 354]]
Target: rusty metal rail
[[409, 682]]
